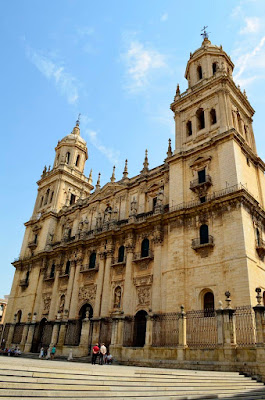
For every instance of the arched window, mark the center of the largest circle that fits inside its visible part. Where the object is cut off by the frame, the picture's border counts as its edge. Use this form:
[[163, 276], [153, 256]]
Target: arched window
[[27, 277], [214, 66], [77, 160], [51, 197], [213, 116], [208, 304], [204, 234], [41, 201], [200, 119], [19, 315], [117, 297], [92, 260], [52, 273], [67, 268], [121, 254], [67, 158], [47, 196], [199, 72], [189, 128], [239, 122], [145, 248]]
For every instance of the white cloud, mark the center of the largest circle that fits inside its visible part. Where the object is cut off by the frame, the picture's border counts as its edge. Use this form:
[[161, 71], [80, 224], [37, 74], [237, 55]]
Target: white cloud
[[111, 154], [252, 64], [253, 25], [140, 61], [66, 84], [164, 17]]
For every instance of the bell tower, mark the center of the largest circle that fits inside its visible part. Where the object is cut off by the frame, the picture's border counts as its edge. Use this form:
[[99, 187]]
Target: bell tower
[[214, 140], [65, 183]]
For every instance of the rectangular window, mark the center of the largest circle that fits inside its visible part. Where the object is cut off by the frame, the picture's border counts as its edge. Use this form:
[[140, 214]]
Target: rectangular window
[[202, 176]]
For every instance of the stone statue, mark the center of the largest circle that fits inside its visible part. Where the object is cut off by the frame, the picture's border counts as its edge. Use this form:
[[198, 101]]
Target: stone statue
[[117, 297]]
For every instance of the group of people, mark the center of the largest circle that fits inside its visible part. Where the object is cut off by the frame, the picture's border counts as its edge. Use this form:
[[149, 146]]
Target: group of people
[[12, 351], [100, 351], [48, 353]]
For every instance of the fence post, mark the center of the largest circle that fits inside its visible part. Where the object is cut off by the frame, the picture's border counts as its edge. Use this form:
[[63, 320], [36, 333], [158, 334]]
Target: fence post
[[259, 319], [182, 328], [229, 326], [149, 331]]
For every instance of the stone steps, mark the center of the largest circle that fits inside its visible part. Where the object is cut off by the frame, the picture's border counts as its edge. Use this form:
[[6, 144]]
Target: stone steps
[[45, 379]]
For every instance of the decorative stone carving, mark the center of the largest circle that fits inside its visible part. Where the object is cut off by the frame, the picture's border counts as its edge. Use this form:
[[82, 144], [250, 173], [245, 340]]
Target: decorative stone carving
[[143, 280], [117, 297], [144, 295], [88, 293], [46, 302]]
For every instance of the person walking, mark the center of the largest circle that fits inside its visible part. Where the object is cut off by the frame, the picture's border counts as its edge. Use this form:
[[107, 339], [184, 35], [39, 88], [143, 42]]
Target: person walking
[[95, 352], [41, 355], [53, 352], [102, 354]]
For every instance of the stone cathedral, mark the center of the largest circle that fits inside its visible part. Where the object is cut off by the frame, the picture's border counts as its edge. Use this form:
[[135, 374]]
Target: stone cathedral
[[150, 261]]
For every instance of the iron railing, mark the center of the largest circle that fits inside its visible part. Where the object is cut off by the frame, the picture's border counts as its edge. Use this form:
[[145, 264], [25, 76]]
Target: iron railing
[[196, 182], [245, 326], [166, 330], [142, 256], [201, 329], [197, 243]]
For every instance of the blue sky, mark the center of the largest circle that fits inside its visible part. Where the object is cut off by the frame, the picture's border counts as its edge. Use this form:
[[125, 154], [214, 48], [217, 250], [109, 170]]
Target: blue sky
[[118, 64]]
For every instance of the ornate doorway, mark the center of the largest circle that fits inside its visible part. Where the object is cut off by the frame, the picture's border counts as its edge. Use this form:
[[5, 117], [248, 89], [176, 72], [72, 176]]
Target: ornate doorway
[[139, 328]]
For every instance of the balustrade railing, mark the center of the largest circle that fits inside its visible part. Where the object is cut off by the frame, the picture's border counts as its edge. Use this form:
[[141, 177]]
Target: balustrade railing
[[143, 255], [196, 182], [87, 268], [198, 242]]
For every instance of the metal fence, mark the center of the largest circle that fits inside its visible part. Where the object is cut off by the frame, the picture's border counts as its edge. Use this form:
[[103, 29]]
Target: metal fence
[[201, 329], [105, 331], [166, 330], [245, 326], [18, 332], [128, 332], [73, 332]]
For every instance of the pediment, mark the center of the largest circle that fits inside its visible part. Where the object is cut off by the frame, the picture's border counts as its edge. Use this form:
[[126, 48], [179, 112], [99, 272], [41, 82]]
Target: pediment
[[200, 162], [107, 190]]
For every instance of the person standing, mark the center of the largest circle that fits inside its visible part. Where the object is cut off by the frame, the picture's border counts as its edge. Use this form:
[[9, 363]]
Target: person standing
[[102, 354], [95, 352], [53, 352], [41, 355]]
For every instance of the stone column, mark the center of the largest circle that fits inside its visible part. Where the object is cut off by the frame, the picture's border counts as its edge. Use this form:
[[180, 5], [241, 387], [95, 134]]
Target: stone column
[[25, 332], [127, 301], [259, 319], [149, 331], [10, 335], [100, 284], [85, 334], [106, 294], [30, 335], [229, 332], [156, 287], [62, 332], [70, 285], [55, 332], [117, 336], [74, 298], [54, 298]]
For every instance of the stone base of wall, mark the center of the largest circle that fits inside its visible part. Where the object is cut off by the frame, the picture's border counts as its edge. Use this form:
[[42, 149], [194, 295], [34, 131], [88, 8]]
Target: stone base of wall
[[250, 361]]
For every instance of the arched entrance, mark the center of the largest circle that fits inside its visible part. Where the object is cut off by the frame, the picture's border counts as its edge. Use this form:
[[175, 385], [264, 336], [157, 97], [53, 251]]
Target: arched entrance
[[139, 328], [42, 335]]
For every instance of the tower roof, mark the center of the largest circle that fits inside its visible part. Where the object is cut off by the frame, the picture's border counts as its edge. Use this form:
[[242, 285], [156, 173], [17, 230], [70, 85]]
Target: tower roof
[[207, 48], [74, 136]]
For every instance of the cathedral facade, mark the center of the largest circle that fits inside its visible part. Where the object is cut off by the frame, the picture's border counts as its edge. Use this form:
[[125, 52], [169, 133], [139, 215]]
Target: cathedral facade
[[110, 263]]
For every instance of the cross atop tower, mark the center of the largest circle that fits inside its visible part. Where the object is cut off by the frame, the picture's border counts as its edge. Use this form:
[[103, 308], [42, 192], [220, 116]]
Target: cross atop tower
[[204, 33], [78, 120]]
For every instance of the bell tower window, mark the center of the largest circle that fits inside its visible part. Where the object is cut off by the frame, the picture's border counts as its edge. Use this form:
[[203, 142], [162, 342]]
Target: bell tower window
[[77, 160], [199, 72], [67, 158], [214, 66], [189, 128], [213, 116], [200, 119], [72, 199]]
